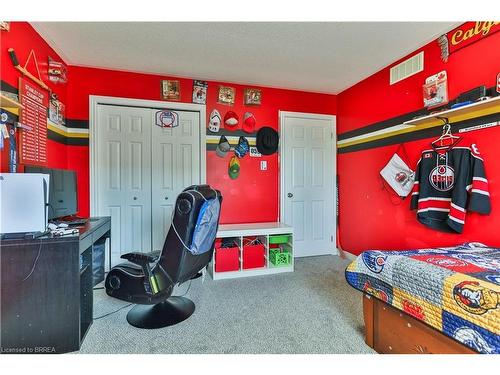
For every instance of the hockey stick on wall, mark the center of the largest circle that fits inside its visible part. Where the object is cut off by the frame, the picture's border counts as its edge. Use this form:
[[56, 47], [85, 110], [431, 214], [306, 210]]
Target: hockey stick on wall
[[23, 69]]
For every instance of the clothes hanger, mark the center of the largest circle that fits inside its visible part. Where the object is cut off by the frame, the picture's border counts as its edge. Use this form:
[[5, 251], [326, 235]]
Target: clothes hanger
[[446, 135]]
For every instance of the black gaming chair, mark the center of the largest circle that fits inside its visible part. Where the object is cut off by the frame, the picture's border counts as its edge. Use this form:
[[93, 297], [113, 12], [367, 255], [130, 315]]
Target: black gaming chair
[[150, 277]]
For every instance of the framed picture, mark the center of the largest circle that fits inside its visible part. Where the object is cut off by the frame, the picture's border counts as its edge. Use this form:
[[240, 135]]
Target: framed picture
[[170, 90], [5, 25], [226, 95], [253, 97], [200, 92]]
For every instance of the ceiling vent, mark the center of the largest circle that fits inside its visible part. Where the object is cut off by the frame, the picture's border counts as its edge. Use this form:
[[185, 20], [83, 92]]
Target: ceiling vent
[[407, 68]]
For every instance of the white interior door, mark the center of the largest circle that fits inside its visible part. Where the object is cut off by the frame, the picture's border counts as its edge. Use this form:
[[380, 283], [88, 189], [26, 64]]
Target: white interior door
[[123, 142], [175, 166], [307, 181]]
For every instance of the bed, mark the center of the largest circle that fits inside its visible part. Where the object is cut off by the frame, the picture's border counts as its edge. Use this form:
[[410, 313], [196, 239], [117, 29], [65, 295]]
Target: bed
[[440, 300]]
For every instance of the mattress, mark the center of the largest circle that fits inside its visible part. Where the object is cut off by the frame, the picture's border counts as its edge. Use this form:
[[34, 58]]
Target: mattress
[[455, 290]]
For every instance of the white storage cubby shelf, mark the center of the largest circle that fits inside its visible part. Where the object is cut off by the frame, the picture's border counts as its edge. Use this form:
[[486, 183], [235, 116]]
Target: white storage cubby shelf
[[262, 231]]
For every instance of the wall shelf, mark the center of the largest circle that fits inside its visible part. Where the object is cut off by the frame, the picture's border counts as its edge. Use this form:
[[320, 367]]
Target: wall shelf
[[478, 109], [466, 112], [6, 102]]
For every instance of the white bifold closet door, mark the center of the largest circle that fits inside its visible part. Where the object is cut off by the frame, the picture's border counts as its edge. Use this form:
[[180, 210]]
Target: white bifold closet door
[[142, 168], [175, 166]]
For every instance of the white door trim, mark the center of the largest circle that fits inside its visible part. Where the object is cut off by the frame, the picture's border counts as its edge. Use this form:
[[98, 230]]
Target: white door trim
[[95, 100], [282, 161]]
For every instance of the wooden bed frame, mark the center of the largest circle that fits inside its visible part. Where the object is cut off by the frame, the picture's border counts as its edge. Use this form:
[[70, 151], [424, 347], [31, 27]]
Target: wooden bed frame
[[389, 330]]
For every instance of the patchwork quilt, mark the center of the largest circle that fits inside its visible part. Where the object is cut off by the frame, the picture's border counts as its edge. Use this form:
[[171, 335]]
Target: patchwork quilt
[[456, 290]]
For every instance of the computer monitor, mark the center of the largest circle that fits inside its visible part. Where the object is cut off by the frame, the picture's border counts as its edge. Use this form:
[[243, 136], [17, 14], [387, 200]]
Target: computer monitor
[[62, 191]]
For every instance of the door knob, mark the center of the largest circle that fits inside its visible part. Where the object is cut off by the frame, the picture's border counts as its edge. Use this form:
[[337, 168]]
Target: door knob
[[289, 195], [166, 198], [135, 198]]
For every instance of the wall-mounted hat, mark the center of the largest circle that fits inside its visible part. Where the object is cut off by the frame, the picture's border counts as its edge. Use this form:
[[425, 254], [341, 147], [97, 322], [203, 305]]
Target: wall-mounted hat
[[267, 140], [234, 168], [248, 122], [223, 147], [215, 121], [242, 147], [231, 120]]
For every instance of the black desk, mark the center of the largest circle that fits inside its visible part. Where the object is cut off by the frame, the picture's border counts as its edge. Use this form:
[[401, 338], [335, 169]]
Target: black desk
[[51, 310]]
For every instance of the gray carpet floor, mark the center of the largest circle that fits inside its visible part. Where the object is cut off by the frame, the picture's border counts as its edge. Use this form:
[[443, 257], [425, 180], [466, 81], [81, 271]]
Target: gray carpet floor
[[312, 310]]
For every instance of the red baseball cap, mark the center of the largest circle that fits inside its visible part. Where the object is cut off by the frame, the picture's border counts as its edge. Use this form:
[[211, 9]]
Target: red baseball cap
[[248, 123], [231, 120]]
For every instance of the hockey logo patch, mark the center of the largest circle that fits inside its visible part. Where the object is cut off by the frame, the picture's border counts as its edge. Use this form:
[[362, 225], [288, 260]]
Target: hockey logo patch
[[474, 298], [374, 260], [442, 178]]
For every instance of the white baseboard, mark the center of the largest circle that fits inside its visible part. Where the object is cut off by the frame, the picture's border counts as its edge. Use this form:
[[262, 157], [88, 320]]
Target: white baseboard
[[347, 254]]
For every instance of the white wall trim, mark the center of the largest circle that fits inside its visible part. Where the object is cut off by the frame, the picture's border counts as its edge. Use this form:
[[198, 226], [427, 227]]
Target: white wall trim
[[281, 161], [348, 255], [95, 100]]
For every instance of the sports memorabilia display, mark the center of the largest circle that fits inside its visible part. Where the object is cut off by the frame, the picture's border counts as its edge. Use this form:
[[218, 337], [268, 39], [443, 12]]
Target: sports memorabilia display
[[200, 92], [267, 140], [455, 290], [226, 95], [167, 119], [56, 111], [57, 71], [448, 183], [435, 90], [253, 97], [33, 142], [231, 120], [215, 120], [170, 90], [248, 122]]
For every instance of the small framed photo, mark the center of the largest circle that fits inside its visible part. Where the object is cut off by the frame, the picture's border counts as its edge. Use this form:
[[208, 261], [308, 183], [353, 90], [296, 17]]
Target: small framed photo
[[253, 97], [5, 25], [170, 90], [226, 95], [200, 92]]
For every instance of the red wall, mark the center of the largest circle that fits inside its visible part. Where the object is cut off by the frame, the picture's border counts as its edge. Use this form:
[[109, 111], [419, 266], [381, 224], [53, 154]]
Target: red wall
[[368, 219], [22, 37], [253, 197]]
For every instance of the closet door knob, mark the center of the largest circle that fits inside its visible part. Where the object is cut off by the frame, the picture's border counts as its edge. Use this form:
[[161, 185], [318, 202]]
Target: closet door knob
[[289, 195], [135, 198], [166, 198]]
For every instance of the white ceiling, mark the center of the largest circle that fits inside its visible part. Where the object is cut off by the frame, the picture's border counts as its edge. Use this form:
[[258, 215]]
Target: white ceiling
[[320, 57]]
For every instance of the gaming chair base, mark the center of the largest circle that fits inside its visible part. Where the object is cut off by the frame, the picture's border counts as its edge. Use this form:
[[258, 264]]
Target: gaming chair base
[[167, 313]]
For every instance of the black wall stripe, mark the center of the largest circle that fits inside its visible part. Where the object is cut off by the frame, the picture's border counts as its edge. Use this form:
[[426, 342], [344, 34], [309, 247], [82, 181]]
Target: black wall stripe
[[418, 134], [382, 124], [77, 141], [53, 136], [235, 133], [80, 124], [7, 87]]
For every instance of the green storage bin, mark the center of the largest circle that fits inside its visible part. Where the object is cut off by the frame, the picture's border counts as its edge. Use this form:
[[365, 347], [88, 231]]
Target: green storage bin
[[279, 238], [280, 257]]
